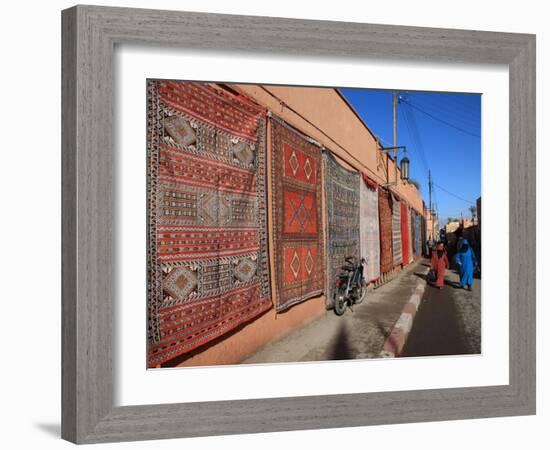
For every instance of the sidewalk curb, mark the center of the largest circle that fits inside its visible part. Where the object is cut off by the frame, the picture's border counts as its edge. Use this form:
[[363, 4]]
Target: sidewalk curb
[[398, 337]]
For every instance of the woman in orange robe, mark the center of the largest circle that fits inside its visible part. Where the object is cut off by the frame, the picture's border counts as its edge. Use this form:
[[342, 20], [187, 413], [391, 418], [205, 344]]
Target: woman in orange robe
[[440, 262]]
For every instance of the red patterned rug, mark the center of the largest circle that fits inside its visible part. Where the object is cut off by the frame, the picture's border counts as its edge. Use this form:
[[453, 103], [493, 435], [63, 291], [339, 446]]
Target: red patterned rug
[[298, 234], [386, 213], [405, 232], [207, 245]]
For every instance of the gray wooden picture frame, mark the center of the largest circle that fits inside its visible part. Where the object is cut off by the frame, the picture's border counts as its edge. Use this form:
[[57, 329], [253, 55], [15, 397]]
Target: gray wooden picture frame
[[89, 37]]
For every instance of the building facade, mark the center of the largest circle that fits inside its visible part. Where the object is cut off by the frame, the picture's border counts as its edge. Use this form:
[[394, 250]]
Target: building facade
[[327, 119]]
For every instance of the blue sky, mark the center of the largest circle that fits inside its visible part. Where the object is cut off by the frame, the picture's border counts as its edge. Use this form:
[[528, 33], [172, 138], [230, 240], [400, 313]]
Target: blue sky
[[441, 132]]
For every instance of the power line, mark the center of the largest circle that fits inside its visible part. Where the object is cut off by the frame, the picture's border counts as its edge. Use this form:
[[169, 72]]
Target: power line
[[285, 105], [467, 120], [386, 143], [440, 120], [454, 195], [451, 99], [417, 137], [410, 122], [412, 129], [436, 200], [412, 138], [455, 101]]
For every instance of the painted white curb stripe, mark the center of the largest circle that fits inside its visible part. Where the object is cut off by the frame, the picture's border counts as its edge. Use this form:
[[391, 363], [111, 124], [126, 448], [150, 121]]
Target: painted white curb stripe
[[404, 323], [415, 300]]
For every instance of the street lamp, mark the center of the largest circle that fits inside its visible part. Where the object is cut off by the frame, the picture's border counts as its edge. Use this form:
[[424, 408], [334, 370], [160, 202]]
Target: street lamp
[[404, 165], [405, 168]]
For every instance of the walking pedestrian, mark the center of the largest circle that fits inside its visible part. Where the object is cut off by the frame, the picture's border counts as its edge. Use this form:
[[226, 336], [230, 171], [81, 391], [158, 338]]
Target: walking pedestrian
[[466, 262], [430, 246], [440, 263]]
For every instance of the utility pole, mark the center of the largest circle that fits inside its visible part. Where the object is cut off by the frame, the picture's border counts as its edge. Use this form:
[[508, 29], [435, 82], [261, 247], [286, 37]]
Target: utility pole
[[435, 221], [395, 122], [404, 166], [394, 137], [430, 187]]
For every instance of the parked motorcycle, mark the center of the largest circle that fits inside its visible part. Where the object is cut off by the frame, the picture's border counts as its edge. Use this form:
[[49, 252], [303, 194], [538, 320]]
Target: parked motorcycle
[[350, 285]]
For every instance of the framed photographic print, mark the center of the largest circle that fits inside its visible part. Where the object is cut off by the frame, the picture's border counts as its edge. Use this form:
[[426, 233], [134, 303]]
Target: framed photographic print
[[268, 230]]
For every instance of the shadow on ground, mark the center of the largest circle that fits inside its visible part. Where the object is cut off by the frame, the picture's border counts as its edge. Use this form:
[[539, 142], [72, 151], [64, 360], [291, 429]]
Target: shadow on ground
[[53, 429], [342, 348], [384, 331], [422, 275]]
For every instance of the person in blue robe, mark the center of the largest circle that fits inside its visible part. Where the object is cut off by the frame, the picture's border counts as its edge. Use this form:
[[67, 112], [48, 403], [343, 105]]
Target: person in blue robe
[[466, 261]]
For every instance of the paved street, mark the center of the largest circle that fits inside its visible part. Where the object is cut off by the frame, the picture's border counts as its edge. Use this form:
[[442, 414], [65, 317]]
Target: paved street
[[447, 322], [357, 334]]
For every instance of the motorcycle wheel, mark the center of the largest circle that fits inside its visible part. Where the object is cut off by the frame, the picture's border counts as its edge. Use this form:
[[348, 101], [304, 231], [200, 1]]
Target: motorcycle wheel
[[360, 293], [340, 301]]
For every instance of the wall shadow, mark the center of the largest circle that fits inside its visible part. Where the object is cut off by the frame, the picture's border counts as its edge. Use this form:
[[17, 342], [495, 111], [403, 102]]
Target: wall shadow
[[383, 331], [341, 348], [53, 429], [422, 275]]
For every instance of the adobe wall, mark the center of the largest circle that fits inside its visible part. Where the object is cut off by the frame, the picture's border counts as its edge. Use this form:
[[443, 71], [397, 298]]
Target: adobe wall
[[323, 115], [313, 109]]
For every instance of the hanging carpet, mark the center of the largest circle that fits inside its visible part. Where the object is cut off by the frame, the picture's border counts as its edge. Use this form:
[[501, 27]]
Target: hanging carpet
[[422, 235], [385, 212], [370, 230], [413, 232], [396, 231], [409, 232], [298, 229], [207, 244], [417, 234], [405, 233], [342, 200]]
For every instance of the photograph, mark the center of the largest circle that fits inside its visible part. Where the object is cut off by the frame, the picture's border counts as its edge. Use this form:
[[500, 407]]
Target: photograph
[[295, 224], [266, 225]]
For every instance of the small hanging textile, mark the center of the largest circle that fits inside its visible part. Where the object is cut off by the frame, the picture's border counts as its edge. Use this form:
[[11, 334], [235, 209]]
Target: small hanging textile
[[396, 231], [385, 212], [370, 229], [342, 194]]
